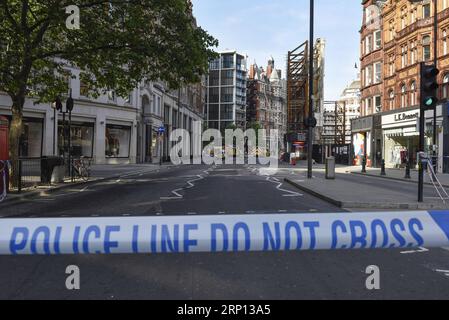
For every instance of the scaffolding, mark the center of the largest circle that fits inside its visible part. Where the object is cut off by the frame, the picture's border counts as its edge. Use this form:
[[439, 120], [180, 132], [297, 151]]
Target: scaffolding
[[334, 123], [297, 88]]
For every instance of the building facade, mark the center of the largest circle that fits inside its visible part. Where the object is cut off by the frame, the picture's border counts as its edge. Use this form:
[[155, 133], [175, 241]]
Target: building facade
[[109, 129], [267, 101], [396, 36], [226, 91]]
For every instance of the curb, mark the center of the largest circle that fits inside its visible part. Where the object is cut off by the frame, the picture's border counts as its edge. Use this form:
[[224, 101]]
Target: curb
[[315, 194], [31, 194], [393, 178], [367, 205]]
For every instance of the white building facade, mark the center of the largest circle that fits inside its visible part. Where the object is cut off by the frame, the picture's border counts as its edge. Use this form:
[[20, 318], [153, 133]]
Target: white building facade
[[107, 129]]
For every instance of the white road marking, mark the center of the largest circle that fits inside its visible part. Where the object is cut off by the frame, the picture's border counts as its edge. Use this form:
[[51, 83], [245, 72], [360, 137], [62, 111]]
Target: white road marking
[[420, 250], [290, 193], [221, 212], [126, 215], [176, 191], [446, 272], [191, 213], [159, 214]]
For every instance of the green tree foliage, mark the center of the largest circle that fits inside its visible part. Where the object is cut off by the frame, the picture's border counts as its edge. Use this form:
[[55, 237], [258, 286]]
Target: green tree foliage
[[119, 43]]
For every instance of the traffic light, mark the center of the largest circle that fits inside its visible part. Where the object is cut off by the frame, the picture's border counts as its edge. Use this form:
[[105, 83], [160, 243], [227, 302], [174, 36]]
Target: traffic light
[[69, 104], [429, 86], [58, 104]]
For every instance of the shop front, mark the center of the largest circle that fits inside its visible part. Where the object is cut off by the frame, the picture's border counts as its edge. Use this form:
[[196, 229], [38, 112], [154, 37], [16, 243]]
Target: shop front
[[117, 141], [401, 138], [366, 140], [32, 137], [81, 139]]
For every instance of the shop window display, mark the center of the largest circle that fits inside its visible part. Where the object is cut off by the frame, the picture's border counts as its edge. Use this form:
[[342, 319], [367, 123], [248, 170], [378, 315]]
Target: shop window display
[[117, 141]]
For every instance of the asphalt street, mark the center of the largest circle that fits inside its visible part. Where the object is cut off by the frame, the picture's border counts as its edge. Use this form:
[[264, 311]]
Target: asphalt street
[[198, 190]]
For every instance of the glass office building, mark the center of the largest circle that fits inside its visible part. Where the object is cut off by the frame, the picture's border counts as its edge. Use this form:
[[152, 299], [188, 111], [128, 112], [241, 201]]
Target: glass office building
[[226, 91]]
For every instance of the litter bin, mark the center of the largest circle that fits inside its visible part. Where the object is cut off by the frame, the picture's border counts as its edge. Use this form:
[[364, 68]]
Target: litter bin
[[48, 164], [330, 168]]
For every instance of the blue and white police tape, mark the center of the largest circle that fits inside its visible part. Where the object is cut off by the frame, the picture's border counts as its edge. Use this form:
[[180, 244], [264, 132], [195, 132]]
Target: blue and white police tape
[[231, 233]]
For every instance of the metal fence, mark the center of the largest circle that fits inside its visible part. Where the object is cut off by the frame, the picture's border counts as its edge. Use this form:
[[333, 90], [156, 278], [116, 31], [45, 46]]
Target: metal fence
[[30, 173]]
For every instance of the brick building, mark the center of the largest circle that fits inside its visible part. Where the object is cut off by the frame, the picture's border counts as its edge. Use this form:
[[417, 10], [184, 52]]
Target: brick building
[[396, 35]]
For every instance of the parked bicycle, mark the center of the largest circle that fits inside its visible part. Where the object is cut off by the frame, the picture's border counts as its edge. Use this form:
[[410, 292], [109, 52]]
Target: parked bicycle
[[81, 168], [3, 168]]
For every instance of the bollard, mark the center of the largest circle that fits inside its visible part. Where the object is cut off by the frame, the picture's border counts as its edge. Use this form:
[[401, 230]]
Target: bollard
[[407, 171], [382, 169], [364, 165]]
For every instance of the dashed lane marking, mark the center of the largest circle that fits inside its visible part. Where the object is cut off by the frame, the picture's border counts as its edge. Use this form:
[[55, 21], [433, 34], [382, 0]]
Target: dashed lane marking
[[419, 250], [446, 272], [289, 193], [179, 196]]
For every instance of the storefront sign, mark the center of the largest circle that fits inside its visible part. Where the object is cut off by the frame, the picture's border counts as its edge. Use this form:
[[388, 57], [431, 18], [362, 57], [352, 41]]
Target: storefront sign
[[400, 119], [405, 117]]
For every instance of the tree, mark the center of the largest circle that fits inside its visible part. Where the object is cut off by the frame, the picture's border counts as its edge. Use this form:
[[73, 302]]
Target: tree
[[118, 43]]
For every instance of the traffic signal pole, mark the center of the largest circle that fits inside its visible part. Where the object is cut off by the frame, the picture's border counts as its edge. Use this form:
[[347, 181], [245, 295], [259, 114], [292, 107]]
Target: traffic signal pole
[[435, 59], [422, 123], [310, 116], [428, 101]]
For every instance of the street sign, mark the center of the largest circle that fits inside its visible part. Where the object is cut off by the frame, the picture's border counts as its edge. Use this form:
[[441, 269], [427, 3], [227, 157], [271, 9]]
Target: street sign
[[161, 130]]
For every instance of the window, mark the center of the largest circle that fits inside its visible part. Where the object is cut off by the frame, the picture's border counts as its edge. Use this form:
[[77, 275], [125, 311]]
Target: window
[[129, 98], [392, 68], [445, 86], [118, 140], [426, 48], [84, 89], [378, 39], [378, 72], [369, 44], [111, 95], [82, 141], [413, 15], [403, 96], [413, 52], [403, 17], [378, 104], [31, 138], [404, 56], [369, 75], [413, 93], [445, 42], [391, 99], [391, 31], [426, 11]]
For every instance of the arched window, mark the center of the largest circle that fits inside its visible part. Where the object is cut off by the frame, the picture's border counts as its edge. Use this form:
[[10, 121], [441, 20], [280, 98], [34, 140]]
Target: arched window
[[391, 99], [403, 95], [445, 86], [413, 93], [146, 105]]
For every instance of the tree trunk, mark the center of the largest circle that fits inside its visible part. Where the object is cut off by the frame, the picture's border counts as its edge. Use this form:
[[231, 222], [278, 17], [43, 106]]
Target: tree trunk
[[14, 140]]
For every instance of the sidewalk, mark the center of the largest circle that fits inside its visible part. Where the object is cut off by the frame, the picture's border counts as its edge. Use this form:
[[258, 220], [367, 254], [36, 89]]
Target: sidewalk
[[398, 174], [364, 192], [98, 173]]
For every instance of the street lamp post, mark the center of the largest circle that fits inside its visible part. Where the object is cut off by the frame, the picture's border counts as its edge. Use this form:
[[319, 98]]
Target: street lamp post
[[311, 121]]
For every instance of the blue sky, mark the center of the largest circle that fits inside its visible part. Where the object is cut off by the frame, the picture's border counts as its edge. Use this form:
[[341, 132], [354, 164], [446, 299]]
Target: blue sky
[[264, 28]]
